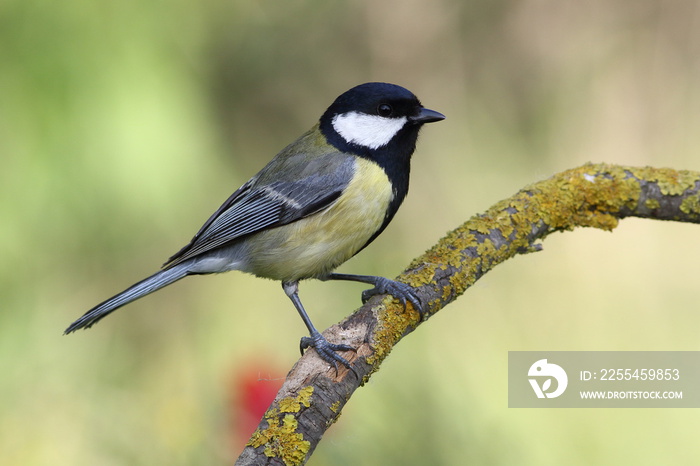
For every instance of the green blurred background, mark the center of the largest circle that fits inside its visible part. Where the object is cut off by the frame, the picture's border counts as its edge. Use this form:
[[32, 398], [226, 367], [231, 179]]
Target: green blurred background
[[123, 125]]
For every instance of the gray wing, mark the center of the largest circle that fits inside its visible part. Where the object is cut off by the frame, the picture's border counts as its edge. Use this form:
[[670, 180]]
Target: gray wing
[[302, 188]]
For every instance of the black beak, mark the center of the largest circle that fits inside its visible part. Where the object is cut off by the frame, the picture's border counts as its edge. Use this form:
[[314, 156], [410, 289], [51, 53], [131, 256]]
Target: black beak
[[425, 115]]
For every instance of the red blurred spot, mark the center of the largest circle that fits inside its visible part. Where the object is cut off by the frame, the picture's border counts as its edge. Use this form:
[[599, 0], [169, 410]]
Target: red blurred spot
[[251, 390]]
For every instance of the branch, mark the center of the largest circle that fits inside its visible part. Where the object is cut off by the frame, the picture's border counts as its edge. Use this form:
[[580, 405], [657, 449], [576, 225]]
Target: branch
[[598, 196]]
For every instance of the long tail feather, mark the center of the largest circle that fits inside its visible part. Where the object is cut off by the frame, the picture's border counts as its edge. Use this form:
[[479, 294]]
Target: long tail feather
[[136, 291]]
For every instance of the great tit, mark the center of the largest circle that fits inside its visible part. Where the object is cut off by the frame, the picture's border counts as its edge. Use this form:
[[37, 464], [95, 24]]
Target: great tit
[[319, 202]]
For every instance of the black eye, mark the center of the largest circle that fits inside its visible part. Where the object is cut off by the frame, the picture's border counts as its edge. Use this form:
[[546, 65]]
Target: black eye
[[384, 110]]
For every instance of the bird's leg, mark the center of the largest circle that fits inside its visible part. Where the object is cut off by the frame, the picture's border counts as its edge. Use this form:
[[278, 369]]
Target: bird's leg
[[382, 285], [325, 349]]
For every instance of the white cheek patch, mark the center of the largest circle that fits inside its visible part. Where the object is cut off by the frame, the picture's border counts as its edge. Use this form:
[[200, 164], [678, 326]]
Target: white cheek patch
[[370, 131]]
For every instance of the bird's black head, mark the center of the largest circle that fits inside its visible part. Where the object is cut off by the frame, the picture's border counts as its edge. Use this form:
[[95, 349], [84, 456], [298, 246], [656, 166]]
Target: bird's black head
[[376, 120], [379, 122]]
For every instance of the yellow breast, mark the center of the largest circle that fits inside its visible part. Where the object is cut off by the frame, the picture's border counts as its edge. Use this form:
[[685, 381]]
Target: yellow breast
[[315, 245]]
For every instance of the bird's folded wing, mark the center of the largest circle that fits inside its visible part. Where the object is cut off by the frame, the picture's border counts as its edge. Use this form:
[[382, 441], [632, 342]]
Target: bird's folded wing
[[255, 207]]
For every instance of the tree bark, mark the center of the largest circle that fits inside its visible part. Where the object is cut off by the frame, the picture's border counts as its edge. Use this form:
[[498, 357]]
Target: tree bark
[[594, 195]]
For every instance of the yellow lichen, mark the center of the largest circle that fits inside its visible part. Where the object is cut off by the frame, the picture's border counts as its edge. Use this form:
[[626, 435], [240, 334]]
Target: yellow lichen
[[393, 323], [672, 182], [423, 276], [281, 440], [652, 204], [691, 205], [294, 404]]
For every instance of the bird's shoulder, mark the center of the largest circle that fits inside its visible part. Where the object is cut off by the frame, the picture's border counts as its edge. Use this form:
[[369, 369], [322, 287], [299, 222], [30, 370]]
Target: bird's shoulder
[[310, 156]]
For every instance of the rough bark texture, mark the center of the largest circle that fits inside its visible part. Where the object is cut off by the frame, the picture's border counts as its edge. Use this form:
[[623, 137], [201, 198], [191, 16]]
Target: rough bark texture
[[599, 195]]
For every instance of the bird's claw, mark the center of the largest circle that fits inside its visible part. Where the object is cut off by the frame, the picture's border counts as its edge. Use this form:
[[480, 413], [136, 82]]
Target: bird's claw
[[327, 351], [400, 291]]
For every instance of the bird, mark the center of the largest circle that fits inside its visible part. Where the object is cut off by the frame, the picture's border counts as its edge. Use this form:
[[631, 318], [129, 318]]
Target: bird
[[316, 204]]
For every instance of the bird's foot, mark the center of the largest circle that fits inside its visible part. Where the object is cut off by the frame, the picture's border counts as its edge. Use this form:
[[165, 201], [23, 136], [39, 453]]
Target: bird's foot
[[327, 351], [401, 291]]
